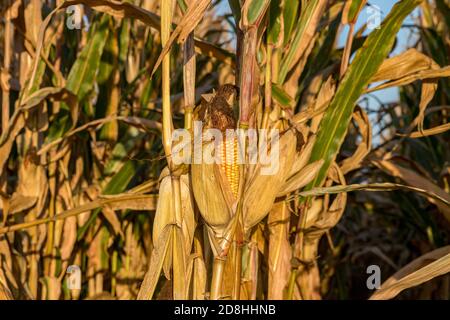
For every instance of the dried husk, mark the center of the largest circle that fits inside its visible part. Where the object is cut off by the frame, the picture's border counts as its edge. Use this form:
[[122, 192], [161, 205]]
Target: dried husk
[[261, 190], [213, 197], [165, 210]]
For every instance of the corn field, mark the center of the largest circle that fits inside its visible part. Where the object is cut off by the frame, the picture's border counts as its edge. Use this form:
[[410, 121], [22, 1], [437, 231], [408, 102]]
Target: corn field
[[93, 92]]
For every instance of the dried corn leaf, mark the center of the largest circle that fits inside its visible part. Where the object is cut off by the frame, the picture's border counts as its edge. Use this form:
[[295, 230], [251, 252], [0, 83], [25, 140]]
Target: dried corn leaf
[[301, 178], [190, 20], [430, 132], [421, 75], [20, 203], [405, 64], [424, 268], [415, 180], [33, 182], [364, 145], [113, 220], [157, 258], [302, 157], [385, 186], [76, 211]]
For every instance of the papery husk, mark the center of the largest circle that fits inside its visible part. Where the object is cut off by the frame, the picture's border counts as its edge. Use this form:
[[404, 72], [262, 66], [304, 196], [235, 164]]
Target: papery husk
[[261, 190], [199, 272], [212, 195], [165, 214]]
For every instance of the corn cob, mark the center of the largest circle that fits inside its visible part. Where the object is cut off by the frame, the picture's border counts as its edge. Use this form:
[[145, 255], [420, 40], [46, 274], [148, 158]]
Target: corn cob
[[228, 153]]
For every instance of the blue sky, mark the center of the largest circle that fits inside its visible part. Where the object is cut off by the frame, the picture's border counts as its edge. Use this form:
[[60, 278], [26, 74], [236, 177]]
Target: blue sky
[[403, 40], [387, 95]]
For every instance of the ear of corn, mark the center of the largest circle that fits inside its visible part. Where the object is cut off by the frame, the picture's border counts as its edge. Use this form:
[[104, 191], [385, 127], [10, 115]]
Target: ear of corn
[[228, 153]]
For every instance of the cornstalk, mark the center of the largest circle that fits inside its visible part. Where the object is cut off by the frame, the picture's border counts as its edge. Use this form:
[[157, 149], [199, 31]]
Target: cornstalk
[[217, 276], [237, 249], [268, 87], [166, 21], [6, 66], [5, 87], [247, 77], [189, 70], [179, 280], [299, 245]]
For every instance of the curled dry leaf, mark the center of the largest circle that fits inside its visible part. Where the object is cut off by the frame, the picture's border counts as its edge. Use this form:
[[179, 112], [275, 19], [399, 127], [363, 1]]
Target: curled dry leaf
[[426, 70], [20, 203], [190, 20], [421, 75], [405, 64], [328, 217], [430, 132], [364, 145], [301, 178], [32, 182], [157, 259], [302, 156], [416, 180], [424, 268]]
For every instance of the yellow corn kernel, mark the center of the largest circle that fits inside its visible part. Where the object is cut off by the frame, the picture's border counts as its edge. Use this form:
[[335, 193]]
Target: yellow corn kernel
[[229, 163]]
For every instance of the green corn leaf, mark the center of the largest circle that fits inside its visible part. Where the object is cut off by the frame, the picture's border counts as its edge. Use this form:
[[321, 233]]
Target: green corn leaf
[[353, 11], [182, 4], [299, 38], [82, 75], [256, 9], [335, 122], [290, 17], [444, 8], [274, 26], [280, 96], [236, 10]]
